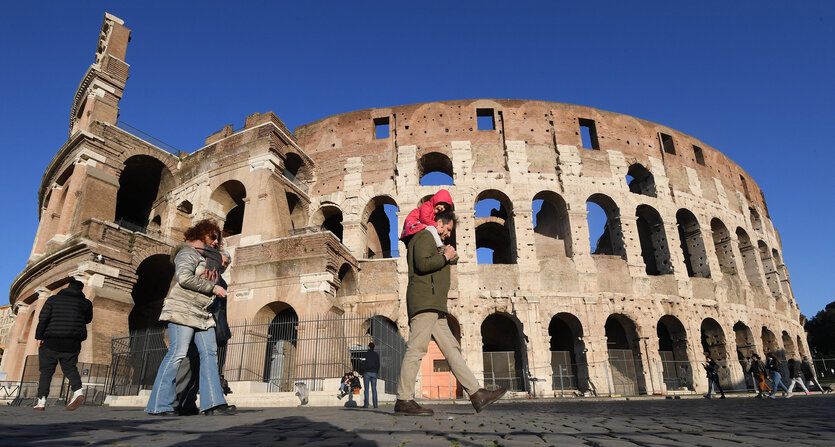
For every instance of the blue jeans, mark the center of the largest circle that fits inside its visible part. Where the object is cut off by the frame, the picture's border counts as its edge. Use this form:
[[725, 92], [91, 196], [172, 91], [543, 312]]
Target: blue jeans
[[164, 392], [710, 381], [369, 380], [777, 378]]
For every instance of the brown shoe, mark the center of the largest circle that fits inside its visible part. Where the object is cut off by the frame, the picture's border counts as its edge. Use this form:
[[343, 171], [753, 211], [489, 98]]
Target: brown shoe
[[483, 398], [411, 408]]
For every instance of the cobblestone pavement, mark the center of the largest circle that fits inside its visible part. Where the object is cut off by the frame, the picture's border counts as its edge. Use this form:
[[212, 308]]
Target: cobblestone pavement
[[738, 422]]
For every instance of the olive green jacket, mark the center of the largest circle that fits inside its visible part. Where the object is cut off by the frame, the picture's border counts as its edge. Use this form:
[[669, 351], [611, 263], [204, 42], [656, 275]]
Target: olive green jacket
[[190, 295], [428, 276]]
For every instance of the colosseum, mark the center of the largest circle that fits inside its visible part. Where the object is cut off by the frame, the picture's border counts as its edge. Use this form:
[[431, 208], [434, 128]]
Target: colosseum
[[545, 297]]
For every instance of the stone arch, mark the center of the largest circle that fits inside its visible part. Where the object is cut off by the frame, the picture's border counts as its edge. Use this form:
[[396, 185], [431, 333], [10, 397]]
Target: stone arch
[[788, 346], [801, 350], [569, 368], [653, 238], [298, 210], [770, 344], [724, 248], [153, 280], [142, 181], [436, 163], [281, 344], [672, 348], [625, 358], [640, 180], [494, 229], [390, 345], [714, 344], [749, 257], [347, 281], [610, 241], [782, 273], [746, 347], [227, 200], [756, 221], [503, 349], [772, 279], [692, 244], [329, 218], [551, 225], [295, 168], [379, 228]]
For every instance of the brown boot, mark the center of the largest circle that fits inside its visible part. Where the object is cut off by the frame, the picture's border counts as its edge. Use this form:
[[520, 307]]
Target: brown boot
[[411, 408], [483, 398]]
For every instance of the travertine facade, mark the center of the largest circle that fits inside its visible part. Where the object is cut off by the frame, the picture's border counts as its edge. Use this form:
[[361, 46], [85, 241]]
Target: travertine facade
[[688, 261]]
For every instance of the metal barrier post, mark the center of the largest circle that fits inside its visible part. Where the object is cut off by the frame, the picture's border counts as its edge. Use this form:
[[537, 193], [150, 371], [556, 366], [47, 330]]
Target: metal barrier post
[[608, 379], [562, 390]]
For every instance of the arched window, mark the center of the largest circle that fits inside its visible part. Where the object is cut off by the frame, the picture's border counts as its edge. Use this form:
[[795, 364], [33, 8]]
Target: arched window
[[749, 257], [139, 187], [381, 232], [295, 169], [654, 248], [772, 279], [692, 245], [640, 180], [228, 201], [713, 344], [756, 222], [551, 226], [153, 278], [435, 168], [329, 218], [605, 232], [495, 237], [347, 281], [723, 247], [298, 212], [568, 362]]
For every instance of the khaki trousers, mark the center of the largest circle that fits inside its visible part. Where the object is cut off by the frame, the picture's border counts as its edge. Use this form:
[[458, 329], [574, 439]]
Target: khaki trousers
[[422, 328]]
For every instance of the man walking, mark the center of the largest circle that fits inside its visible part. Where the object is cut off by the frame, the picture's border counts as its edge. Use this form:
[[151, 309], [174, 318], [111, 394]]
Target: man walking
[[426, 302], [757, 369], [712, 370], [62, 326], [370, 370]]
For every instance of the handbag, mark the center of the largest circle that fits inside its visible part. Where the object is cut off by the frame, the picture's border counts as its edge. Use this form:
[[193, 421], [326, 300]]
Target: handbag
[[222, 331]]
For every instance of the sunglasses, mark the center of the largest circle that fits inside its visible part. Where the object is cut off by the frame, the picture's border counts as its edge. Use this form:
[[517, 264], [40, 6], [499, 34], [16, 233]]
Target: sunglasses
[[214, 236]]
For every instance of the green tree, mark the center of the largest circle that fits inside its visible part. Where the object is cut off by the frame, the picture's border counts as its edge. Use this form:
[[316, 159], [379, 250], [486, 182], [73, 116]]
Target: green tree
[[821, 329]]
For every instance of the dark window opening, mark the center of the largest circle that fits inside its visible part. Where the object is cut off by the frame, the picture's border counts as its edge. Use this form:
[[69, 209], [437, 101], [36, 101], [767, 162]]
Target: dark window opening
[[640, 180], [440, 365], [745, 187], [495, 236], [667, 143], [603, 220], [139, 186], [381, 128], [700, 156], [588, 132], [692, 245], [234, 221], [653, 240], [485, 119]]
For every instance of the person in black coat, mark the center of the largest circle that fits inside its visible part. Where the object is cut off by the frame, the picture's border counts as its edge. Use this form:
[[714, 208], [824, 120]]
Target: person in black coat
[[712, 370], [62, 326], [369, 371]]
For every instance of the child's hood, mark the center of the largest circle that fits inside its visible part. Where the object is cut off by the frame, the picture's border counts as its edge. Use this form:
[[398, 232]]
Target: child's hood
[[442, 196]]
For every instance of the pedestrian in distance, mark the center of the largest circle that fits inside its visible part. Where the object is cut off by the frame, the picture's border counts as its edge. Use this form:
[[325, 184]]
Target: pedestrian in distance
[[773, 367], [186, 311], [809, 374], [426, 303], [796, 376], [62, 326], [712, 370], [369, 370], [757, 369]]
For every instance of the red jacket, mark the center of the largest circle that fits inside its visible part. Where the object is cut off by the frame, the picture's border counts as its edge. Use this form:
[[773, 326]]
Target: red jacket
[[424, 215]]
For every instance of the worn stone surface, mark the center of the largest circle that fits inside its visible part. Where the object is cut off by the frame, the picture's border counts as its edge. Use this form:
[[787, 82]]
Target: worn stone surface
[[735, 422]]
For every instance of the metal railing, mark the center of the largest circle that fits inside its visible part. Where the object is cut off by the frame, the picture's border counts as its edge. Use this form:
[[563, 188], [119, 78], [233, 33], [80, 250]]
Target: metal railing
[[280, 353], [144, 136], [94, 378]]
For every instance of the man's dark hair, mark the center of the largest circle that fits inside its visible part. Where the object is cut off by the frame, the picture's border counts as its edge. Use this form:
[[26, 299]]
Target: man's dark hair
[[447, 217], [75, 284], [371, 346]]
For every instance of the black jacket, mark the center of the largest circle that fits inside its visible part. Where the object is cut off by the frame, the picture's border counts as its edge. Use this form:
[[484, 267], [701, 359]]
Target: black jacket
[[772, 364], [371, 362], [65, 316]]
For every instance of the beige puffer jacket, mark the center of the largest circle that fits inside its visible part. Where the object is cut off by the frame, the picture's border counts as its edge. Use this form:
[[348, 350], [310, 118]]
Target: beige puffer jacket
[[190, 295]]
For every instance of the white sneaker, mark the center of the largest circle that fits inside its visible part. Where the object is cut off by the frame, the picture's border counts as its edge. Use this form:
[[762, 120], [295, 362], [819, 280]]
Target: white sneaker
[[789, 395], [76, 400], [40, 404], [772, 396]]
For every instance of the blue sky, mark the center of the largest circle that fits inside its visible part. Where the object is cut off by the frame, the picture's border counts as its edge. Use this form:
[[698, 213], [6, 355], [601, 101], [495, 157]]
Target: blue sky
[[752, 79]]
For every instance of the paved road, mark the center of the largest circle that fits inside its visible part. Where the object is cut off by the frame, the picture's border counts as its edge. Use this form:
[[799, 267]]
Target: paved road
[[738, 422]]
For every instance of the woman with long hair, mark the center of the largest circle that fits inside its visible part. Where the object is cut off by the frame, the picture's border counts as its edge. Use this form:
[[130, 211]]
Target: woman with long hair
[[186, 311]]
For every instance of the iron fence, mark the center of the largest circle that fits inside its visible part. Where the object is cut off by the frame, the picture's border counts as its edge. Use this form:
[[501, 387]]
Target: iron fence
[[282, 352], [501, 369]]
